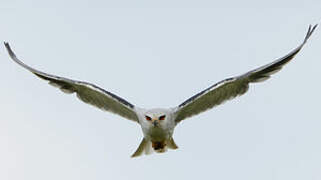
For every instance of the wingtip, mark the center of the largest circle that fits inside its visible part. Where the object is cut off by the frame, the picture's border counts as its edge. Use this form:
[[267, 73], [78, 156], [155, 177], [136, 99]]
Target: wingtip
[[11, 53], [6, 43], [313, 28], [310, 31]]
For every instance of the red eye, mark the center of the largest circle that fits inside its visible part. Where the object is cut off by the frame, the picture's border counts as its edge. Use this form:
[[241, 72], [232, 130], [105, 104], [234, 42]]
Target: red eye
[[148, 118], [162, 117]]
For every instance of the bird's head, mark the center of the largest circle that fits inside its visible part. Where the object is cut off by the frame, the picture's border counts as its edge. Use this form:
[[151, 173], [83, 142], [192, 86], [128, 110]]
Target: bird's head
[[156, 117]]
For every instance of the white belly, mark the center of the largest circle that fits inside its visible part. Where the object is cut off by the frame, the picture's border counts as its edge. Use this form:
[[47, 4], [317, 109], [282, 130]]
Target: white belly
[[157, 134]]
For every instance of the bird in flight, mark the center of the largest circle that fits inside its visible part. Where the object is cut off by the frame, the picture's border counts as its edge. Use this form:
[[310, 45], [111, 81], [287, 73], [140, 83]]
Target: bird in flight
[[158, 124]]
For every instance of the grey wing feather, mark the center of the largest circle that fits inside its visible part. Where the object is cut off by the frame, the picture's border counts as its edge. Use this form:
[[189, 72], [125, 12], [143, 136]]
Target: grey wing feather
[[88, 93], [232, 87]]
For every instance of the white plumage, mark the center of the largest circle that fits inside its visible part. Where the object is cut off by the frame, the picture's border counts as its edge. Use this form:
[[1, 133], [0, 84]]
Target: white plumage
[[158, 124]]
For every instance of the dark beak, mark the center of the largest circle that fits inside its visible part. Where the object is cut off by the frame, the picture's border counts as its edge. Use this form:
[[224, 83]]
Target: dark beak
[[155, 123]]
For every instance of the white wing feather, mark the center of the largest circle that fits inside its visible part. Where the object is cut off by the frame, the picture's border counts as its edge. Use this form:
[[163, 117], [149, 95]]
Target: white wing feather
[[232, 87], [88, 93]]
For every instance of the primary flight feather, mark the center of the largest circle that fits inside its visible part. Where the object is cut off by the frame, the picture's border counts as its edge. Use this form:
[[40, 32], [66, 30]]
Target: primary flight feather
[[158, 124]]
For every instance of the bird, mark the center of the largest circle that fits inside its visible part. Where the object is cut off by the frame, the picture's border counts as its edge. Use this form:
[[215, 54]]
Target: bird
[[158, 124]]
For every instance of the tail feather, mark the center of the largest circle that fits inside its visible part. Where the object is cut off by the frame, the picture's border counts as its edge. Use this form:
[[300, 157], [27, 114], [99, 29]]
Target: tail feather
[[141, 148], [147, 147], [171, 144]]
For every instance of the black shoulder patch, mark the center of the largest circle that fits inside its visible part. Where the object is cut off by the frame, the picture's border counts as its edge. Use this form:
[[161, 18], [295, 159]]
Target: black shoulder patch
[[202, 92]]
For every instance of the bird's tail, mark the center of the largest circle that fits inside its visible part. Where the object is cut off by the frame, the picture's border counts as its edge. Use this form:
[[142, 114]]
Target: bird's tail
[[171, 144], [144, 147], [147, 147]]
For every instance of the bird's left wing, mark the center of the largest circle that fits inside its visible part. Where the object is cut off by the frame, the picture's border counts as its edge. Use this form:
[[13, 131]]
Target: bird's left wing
[[232, 87], [88, 93]]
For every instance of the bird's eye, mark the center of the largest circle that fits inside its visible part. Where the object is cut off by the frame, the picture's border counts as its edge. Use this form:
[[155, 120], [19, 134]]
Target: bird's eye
[[162, 117], [148, 118]]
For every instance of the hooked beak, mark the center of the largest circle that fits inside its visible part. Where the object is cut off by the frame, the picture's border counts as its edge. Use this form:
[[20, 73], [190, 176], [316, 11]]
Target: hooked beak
[[155, 123]]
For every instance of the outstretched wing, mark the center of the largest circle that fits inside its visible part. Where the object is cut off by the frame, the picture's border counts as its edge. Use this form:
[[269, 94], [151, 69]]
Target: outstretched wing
[[86, 92], [232, 87]]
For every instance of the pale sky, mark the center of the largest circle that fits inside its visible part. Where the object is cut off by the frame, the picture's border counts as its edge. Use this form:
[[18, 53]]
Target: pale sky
[[158, 54]]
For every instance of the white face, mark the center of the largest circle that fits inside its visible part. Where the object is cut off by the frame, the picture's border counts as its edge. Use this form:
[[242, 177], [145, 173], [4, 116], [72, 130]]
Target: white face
[[156, 117], [157, 123]]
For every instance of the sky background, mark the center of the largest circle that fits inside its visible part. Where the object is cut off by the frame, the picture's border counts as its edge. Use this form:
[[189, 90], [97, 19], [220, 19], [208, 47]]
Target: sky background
[[158, 54]]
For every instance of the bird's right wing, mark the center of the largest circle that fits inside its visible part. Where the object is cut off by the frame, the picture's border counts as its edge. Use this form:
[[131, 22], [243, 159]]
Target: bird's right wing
[[232, 87], [86, 92]]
